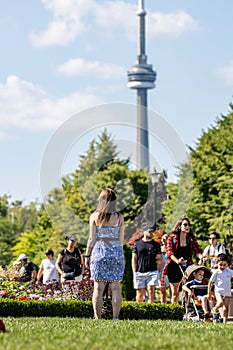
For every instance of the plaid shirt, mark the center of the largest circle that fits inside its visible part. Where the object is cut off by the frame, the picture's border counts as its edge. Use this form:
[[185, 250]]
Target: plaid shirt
[[172, 248]]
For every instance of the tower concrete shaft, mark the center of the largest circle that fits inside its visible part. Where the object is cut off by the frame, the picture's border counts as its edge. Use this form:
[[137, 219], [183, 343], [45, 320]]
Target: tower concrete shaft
[[142, 77]]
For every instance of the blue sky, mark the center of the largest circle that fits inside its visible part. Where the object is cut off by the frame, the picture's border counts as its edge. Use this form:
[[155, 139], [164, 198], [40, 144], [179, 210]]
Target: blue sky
[[60, 58]]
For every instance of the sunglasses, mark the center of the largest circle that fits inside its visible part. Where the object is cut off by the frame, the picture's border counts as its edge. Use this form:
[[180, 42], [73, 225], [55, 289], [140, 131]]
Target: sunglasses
[[185, 224]]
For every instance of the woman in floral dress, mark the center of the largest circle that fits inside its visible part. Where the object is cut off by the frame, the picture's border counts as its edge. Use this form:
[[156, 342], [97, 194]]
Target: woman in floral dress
[[104, 254]]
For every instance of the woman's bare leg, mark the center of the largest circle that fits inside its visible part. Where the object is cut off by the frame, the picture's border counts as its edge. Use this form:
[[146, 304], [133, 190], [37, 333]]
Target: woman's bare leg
[[163, 295], [116, 298], [175, 292], [97, 299]]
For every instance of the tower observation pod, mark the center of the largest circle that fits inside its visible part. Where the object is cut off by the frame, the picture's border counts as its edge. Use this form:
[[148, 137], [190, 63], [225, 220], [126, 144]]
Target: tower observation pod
[[142, 77]]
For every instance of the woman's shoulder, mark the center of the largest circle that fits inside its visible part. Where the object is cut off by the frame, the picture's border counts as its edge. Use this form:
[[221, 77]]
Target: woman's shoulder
[[62, 252], [94, 217], [121, 217], [94, 214]]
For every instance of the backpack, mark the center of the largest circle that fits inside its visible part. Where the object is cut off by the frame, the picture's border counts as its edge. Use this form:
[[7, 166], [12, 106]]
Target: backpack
[[218, 247], [208, 254]]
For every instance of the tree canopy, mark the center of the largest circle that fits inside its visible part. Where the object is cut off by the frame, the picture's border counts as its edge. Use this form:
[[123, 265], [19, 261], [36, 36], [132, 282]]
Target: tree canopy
[[205, 186]]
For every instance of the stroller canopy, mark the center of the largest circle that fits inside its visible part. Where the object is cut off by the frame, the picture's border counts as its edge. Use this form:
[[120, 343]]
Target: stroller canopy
[[188, 274]]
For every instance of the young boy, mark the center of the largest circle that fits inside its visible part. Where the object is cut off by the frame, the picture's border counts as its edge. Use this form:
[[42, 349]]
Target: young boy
[[194, 288], [221, 278]]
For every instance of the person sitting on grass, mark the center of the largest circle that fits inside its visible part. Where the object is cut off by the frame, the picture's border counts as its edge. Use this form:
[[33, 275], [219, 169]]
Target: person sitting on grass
[[221, 278]]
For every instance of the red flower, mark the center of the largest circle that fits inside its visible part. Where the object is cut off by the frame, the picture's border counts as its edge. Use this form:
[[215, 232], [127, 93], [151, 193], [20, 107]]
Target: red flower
[[23, 298], [135, 236]]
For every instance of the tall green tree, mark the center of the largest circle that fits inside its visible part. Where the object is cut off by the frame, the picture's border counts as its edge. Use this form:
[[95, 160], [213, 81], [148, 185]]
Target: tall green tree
[[179, 196], [212, 163], [14, 219], [101, 167], [208, 182]]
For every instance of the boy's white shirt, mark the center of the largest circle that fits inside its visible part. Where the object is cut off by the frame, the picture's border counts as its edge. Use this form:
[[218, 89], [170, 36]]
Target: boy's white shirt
[[222, 281]]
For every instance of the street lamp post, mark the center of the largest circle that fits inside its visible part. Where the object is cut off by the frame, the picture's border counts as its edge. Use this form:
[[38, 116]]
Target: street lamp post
[[155, 178]]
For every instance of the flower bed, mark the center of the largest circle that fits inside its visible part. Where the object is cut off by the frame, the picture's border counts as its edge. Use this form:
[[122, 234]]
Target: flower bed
[[57, 291]]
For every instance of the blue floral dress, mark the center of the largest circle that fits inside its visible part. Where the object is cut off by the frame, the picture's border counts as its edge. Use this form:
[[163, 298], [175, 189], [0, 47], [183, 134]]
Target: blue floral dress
[[107, 257]]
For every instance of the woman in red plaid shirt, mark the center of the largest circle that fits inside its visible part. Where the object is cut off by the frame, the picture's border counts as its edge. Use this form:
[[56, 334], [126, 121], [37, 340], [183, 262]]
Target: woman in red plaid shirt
[[181, 246]]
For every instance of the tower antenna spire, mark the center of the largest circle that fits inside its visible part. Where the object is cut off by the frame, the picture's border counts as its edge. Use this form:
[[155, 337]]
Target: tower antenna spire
[[142, 77]]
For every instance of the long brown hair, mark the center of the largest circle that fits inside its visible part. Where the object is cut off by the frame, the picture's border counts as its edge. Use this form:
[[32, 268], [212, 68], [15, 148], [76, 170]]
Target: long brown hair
[[177, 228], [106, 205]]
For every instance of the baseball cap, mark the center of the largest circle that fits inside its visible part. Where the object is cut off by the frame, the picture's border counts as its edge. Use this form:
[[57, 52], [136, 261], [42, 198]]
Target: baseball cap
[[71, 238], [22, 256]]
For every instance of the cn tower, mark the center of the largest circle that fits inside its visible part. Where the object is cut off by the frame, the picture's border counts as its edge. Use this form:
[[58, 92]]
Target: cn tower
[[142, 77]]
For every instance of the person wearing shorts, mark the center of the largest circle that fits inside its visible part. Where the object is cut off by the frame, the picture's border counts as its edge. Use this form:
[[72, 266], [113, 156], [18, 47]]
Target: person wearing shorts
[[146, 266]]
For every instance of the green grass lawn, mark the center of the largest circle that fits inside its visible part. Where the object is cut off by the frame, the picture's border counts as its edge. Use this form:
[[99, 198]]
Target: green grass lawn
[[47, 333]]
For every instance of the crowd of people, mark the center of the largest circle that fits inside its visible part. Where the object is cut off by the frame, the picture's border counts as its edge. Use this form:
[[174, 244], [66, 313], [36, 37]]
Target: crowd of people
[[154, 265]]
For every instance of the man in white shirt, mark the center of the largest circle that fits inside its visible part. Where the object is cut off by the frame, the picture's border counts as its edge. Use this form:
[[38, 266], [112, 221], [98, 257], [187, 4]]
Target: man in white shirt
[[213, 250], [48, 268]]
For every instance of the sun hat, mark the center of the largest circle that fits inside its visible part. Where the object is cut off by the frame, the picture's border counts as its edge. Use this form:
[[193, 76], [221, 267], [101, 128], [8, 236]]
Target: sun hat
[[16, 262], [22, 256]]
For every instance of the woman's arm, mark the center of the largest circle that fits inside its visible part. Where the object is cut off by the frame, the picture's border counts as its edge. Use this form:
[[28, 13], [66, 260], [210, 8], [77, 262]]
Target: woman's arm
[[82, 264], [58, 263], [91, 240], [92, 235], [176, 260], [195, 248], [122, 230], [171, 251], [188, 290]]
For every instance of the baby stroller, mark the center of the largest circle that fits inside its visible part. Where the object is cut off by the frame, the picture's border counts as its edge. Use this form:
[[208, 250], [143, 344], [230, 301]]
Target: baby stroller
[[193, 307]]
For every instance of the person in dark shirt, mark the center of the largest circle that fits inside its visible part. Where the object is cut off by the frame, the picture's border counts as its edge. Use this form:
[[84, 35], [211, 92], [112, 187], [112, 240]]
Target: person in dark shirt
[[70, 263], [27, 271], [146, 266]]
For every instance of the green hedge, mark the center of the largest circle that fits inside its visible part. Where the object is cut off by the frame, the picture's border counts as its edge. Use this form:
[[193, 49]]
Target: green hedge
[[78, 308]]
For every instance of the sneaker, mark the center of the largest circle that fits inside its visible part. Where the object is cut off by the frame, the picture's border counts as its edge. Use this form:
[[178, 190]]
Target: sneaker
[[216, 315], [207, 317]]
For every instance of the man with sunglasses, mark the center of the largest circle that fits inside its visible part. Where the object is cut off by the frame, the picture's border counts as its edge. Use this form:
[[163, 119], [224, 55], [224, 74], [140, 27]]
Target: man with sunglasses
[[211, 252]]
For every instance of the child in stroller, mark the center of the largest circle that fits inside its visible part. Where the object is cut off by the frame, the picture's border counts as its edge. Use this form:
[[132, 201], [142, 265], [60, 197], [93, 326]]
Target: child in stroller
[[197, 305]]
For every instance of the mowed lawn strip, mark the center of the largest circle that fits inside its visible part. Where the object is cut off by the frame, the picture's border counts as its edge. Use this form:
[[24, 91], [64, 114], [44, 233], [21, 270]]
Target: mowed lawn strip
[[48, 333]]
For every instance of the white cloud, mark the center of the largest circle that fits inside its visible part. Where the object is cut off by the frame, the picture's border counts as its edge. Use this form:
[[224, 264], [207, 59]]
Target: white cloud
[[25, 105], [4, 136], [71, 18], [58, 32], [67, 23], [170, 24], [80, 67], [226, 73]]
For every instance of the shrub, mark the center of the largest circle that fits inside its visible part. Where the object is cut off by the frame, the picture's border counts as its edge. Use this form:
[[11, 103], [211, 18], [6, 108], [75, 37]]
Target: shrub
[[80, 308]]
